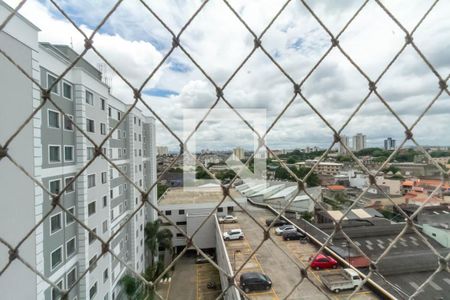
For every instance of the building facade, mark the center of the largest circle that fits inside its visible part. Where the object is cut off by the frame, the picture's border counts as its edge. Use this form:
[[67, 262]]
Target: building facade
[[389, 144], [345, 140], [162, 150], [238, 153], [54, 151], [359, 142]]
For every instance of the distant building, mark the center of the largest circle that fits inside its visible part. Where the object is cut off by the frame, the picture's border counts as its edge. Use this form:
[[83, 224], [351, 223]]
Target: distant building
[[239, 153], [345, 140], [389, 144], [323, 168], [162, 150], [359, 142]]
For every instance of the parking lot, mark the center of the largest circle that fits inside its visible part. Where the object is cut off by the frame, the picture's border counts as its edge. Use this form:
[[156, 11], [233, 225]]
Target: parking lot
[[280, 267]]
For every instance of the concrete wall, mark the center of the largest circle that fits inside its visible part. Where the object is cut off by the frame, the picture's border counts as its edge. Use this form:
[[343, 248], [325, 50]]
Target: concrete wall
[[18, 191]]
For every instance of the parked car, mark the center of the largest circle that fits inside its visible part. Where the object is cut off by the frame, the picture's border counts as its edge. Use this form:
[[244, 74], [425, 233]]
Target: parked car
[[234, 234], [278, 222], [293, 235], [202, 260], [323, 262], [285, 228], [339, 280], [254, 281], [228, 219]]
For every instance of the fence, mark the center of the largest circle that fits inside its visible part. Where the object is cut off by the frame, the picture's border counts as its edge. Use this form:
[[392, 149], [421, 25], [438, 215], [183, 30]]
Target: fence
[[14, 251]]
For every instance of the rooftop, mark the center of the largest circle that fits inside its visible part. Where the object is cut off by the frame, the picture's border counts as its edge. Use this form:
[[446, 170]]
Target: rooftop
[[208, 193]]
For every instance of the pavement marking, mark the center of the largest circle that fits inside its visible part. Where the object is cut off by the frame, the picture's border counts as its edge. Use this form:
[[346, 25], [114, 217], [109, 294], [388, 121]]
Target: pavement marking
[[447, 280], [435, 286]]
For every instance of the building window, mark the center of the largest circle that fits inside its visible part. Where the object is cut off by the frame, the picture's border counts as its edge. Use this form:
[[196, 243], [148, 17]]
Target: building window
[[135, 136], [168, 212], [140, 137], [135, 120], [92, 237], [70, 248], [105, 201], [54, 154], [220, 209], [50, 80], [105, 226], [105, 275], [109, 111], [91, 180], [68, 153], [181, 212], [90, 153], [55, 186], [56, 258], [93, 291], [55, 223], [91, 208], [180, 235], [55, 293], [67, 90], [102, 128], [118, 134], [69, 218], [181, 223], [70, 187], [102, 104], [68, 125], [103, 177], [124, 134], [90, 125], [118, 115], [71, 277], [111, 194], [53, 119], [89, 98]]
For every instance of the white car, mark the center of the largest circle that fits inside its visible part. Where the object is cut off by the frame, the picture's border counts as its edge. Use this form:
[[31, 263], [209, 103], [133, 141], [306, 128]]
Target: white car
[[228, 219], [234, 234], [285, 228]]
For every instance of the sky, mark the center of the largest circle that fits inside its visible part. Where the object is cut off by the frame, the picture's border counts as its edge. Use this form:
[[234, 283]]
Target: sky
[[134, 42]]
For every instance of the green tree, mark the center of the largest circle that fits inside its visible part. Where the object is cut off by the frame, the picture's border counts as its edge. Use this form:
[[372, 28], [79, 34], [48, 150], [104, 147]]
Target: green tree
[[201, 174], [135, 289], [156, 238], [291, 160], [161, 189], [282, 174]]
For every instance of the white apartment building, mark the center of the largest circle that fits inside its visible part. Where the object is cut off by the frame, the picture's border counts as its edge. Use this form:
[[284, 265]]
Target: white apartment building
[[52, 150], [359, 142]]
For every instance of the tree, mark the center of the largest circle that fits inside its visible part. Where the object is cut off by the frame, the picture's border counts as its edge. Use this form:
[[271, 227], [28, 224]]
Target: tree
[[134, 288], [282, 174], [161, 189], [156, 238], [291, 160]]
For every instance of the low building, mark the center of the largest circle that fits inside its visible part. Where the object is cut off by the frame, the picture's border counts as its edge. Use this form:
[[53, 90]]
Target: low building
[[439, 232], [188, 207], [323, 168]]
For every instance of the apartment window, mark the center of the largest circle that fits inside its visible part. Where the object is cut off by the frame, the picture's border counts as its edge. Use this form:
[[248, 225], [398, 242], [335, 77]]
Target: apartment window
[[118, 134], [140, 152], [71, 277], [105, 226], [109, 111], [53, 119], [68, 153], [102, 128], [135, 136], [68, 125], [105, 275], [90, 125], [124, 152], [55, 186], [125, 186], [50, 80], [140, 137], [89, 98], [181, 223], [90, 153], [70, 247], [70, 187], [119, 152], [91, 208], [220, 209], [111, 194], [56, 258], [135, 120], [140, 182], [124, 134], [91, 180], [92, 236], [67, 90], [103, 104], [54, 154], [103, 177], [168, 212], [118, 115], [55, 223], [181, 212], [93, 291], [105, 201], [139, 122], [180, 235], [69, 218], [55, 293]]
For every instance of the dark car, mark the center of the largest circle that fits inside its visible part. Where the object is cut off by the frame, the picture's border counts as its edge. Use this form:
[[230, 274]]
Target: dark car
[[278, 222], [293, 235], [254, 281]]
